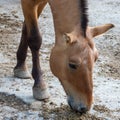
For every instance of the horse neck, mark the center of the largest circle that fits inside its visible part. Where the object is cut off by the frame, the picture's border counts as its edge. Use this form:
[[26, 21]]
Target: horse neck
[[66, 15]]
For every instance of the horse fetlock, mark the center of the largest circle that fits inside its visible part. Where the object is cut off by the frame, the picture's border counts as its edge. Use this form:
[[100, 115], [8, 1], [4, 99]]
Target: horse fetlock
[[40, 94], [22, 73]]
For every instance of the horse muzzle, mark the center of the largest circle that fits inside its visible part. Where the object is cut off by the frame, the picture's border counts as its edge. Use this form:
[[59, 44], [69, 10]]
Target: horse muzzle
[[77, 106]]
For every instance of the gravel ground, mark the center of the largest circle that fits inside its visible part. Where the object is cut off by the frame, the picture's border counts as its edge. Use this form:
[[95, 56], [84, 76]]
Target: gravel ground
[[16, 101]]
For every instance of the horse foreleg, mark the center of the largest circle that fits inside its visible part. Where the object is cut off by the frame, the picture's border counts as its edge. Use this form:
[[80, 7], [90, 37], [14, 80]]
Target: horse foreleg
[[32, 10], [20, 69]]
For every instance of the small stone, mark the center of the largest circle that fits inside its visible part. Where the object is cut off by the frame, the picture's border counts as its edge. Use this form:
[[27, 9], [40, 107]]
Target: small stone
[[17, 89], [37, 105]]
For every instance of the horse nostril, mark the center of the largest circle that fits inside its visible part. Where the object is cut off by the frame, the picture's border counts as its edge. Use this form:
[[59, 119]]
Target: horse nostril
[[83, 110]]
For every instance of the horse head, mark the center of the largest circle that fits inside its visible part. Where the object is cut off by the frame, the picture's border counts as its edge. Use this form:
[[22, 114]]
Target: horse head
[[72, 60]]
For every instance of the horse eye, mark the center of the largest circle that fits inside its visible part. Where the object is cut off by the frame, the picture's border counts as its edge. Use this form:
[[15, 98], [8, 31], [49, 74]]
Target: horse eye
[[72, 66]]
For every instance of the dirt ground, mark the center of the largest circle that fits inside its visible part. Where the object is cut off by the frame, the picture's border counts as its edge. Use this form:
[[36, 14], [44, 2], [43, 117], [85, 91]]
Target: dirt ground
[[16, 101]]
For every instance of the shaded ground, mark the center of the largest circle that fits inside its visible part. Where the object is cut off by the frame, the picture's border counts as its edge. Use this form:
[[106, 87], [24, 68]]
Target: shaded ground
[[16, 101]]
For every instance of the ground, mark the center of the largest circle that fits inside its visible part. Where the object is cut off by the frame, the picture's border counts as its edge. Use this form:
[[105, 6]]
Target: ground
[[16, 100]]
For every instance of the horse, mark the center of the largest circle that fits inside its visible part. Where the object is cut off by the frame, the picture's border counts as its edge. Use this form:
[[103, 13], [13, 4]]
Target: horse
[[73, 55]]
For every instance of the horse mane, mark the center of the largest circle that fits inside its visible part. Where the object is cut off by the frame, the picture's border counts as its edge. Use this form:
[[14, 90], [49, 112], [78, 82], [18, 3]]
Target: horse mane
[[83, 15]]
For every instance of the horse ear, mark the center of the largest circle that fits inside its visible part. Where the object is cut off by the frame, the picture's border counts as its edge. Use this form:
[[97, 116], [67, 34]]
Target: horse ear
[[98, 30], [69, 37], [66, 38]]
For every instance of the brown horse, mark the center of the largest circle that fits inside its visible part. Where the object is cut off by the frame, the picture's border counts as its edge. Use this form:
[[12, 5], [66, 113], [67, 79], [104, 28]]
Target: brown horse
[[73, 56]]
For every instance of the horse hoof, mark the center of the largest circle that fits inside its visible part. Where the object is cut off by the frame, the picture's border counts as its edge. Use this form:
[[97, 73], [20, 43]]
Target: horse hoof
[[20, 73], [40, 94]]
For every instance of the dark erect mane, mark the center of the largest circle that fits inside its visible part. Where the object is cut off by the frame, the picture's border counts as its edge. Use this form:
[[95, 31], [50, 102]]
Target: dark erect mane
[[83, 15]]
